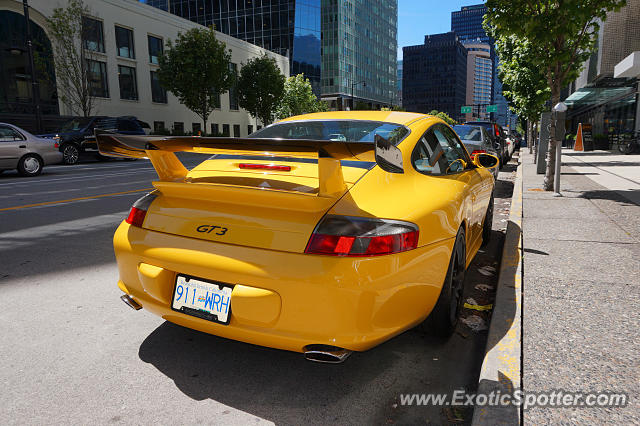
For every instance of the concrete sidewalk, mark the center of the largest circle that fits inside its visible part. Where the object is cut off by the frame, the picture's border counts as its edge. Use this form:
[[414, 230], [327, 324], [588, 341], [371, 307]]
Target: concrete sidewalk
[[581, 286]]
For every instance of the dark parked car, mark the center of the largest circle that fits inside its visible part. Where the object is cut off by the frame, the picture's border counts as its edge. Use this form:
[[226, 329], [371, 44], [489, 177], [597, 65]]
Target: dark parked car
[[498, 136], [477, 141], [76, 136]]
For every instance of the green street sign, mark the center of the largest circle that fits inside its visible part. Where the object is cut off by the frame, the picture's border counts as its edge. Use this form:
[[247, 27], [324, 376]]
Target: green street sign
[[466, 110], [492, 108]]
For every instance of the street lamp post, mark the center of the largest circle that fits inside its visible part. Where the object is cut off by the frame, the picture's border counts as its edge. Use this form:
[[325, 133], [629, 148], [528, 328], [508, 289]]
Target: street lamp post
[[353, 84], [35, 89], [559, 113]]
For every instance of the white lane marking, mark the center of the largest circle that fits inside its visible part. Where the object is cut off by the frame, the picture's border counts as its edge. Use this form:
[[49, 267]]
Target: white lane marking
[[77, 177]]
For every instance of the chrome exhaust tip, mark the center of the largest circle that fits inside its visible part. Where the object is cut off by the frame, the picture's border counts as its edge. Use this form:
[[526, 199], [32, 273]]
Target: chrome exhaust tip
[[130, 302], [326, 354]]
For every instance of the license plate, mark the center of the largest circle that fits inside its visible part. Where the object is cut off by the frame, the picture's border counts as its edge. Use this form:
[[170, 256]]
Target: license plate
[[203, 299]]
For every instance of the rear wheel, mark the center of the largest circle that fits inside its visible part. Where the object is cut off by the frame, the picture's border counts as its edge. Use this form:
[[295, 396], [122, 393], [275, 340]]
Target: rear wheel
[[488, 223], [30, 165], [70, 153], [444, 317]]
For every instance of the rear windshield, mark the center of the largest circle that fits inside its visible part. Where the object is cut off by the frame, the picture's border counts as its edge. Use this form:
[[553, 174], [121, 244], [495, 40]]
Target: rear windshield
[[469, 133], [334, 130], [488, 126]]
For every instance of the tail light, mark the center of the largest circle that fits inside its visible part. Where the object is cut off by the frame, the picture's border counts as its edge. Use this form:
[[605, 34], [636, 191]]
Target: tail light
[[252, 166], [139, 210], [477, 151], [56, 145], [360, 236], [497, 131]]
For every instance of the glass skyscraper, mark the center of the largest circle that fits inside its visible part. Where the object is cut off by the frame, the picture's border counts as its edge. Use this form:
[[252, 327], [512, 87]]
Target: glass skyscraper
[[434, 75], [467, 24], [288, 27], [359, 49]]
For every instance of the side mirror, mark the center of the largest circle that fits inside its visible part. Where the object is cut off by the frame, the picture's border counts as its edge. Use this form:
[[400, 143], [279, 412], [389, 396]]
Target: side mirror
[[388, 156], [456, 166], [486, 161]]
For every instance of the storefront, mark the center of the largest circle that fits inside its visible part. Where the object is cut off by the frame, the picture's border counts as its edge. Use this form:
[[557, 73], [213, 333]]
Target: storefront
[[611, 108]]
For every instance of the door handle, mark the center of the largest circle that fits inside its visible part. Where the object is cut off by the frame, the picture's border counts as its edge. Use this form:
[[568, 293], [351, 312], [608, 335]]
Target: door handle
[[22, 146]]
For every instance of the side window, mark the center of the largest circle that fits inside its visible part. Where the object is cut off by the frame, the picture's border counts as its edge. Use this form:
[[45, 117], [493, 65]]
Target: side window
[[455, 143], [7, 134], [127, 126], [436, 154]]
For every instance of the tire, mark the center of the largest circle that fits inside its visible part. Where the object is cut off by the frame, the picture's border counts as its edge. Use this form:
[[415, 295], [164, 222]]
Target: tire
[[30, 165], [443, 319], [70, 153], [488, 223]]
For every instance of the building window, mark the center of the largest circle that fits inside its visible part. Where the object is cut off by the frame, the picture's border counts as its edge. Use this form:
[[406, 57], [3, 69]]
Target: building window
[[196, 128], [97, 74], [249, 129], [178, 128], [233, 93], [225, 130], [236, 130], [128, 83], [158, 94], [92, 34], [155, 49], [124, 43], [158, 126], [259, 127], [215, 129]]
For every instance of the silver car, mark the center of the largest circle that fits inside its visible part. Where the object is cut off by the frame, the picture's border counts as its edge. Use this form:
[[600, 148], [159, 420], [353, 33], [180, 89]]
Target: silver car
[[476, 140], [25, 152]]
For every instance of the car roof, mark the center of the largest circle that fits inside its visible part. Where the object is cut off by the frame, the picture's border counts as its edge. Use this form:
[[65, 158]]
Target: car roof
[[397, 117]]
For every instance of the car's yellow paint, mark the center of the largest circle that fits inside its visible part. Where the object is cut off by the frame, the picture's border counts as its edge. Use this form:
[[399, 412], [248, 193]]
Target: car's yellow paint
[[282, 297]]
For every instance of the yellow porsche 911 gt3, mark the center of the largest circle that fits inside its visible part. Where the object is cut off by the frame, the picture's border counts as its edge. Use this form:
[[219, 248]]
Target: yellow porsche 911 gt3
[[323, 233]]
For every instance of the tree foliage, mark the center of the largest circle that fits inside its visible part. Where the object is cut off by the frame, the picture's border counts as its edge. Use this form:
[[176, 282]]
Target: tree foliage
[[298, 98], [444, 116], [260, 88], [560, 36], [66, 32], [196, 68]]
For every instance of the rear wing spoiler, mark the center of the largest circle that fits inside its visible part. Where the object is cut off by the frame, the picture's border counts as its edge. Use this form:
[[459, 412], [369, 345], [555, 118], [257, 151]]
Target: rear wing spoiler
[[161, 151]]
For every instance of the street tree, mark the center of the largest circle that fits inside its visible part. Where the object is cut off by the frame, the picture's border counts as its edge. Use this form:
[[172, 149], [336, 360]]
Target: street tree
[[523, 84], [260, 88], [72, 55], [444, 116], [562, 34], [298, 98], [196, 68]]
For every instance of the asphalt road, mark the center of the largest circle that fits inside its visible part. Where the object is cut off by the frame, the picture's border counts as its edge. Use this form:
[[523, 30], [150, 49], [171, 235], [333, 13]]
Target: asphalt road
[[72, 352]]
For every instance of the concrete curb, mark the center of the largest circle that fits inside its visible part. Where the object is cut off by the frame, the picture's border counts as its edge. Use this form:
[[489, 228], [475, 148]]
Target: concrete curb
[[501, 368]]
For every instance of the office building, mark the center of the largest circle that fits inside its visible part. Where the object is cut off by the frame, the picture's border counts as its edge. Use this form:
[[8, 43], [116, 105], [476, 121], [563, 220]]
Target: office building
[[605, 94], [467, 23], [479, 80], [288, 28], [123, 48], [435, 75], [359, 52], [399, 84]]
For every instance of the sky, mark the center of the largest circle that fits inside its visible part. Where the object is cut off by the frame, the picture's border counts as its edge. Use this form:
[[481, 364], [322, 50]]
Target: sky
[[416, 18]]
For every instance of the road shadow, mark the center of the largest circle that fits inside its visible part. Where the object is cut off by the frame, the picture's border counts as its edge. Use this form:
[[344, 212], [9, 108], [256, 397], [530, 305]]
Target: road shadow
[[627, 197], [283, 387]]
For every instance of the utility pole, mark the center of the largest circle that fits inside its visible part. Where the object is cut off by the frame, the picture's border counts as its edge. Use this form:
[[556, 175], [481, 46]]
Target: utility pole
[[35, 87]]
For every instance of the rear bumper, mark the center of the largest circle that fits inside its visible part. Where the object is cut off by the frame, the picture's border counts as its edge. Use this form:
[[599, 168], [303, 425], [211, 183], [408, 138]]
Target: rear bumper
[[286, 300], [51, 157]]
